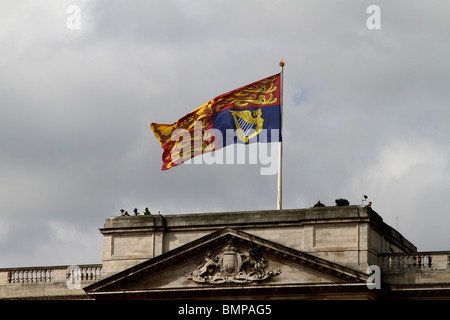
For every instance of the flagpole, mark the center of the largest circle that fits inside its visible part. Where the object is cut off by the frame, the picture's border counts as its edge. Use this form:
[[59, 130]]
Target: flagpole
[[280, 143]]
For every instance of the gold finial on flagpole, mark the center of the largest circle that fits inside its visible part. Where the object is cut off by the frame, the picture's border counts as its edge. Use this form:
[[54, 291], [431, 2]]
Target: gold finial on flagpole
[[281, 63]]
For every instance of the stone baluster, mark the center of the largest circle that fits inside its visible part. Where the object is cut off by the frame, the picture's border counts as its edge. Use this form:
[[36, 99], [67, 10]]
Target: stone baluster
[[402, 262], [394, 263], [385, 262], [98, 273], [410, 261], [41, 277]]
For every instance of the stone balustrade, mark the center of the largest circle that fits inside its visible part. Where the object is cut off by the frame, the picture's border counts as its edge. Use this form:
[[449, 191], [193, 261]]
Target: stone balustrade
[[433, 260], [30, 275], [50, 274]]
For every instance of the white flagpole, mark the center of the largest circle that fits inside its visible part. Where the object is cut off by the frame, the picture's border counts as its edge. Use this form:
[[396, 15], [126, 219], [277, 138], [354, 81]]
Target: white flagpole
[[280, 143]]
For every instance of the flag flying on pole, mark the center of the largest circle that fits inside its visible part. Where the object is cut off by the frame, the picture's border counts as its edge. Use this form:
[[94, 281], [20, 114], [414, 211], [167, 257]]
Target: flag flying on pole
[[244, 115]]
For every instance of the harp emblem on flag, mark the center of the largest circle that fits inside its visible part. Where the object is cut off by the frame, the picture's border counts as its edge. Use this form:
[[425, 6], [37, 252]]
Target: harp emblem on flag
[[247, 126]]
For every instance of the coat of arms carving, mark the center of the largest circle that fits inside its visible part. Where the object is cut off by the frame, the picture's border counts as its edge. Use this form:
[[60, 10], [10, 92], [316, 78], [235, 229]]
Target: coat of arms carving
[[231, 266]]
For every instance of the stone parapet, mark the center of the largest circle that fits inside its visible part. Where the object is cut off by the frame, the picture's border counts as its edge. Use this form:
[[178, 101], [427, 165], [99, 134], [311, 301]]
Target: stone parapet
[[49, 282], [350, 235], [416, 268]]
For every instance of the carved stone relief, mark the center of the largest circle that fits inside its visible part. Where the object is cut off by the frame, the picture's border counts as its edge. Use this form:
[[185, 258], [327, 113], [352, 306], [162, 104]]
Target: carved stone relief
[[232, 266]]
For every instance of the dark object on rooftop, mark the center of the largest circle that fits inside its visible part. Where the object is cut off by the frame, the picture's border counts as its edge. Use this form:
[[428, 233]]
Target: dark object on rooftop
[[342, 202], [319, 204]]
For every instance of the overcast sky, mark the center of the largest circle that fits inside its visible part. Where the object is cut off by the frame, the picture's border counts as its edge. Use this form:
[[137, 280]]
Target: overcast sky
[[365, 112]]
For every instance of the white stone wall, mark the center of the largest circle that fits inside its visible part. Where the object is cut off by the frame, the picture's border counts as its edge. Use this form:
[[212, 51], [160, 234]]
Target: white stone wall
[[344, 235]]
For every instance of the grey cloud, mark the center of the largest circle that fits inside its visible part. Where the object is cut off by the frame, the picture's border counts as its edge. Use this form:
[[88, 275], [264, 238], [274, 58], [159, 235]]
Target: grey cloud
[[76, 108]]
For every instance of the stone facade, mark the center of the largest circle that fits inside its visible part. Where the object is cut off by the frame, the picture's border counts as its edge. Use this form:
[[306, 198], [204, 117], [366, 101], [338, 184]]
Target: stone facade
[[314, 253], [352, 236]]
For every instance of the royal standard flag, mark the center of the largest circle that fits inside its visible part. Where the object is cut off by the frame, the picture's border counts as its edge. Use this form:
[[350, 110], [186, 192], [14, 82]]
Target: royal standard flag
[[244, 115]]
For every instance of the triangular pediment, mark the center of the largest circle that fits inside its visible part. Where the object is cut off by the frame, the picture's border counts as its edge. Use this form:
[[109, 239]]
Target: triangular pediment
[[224, 261]]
